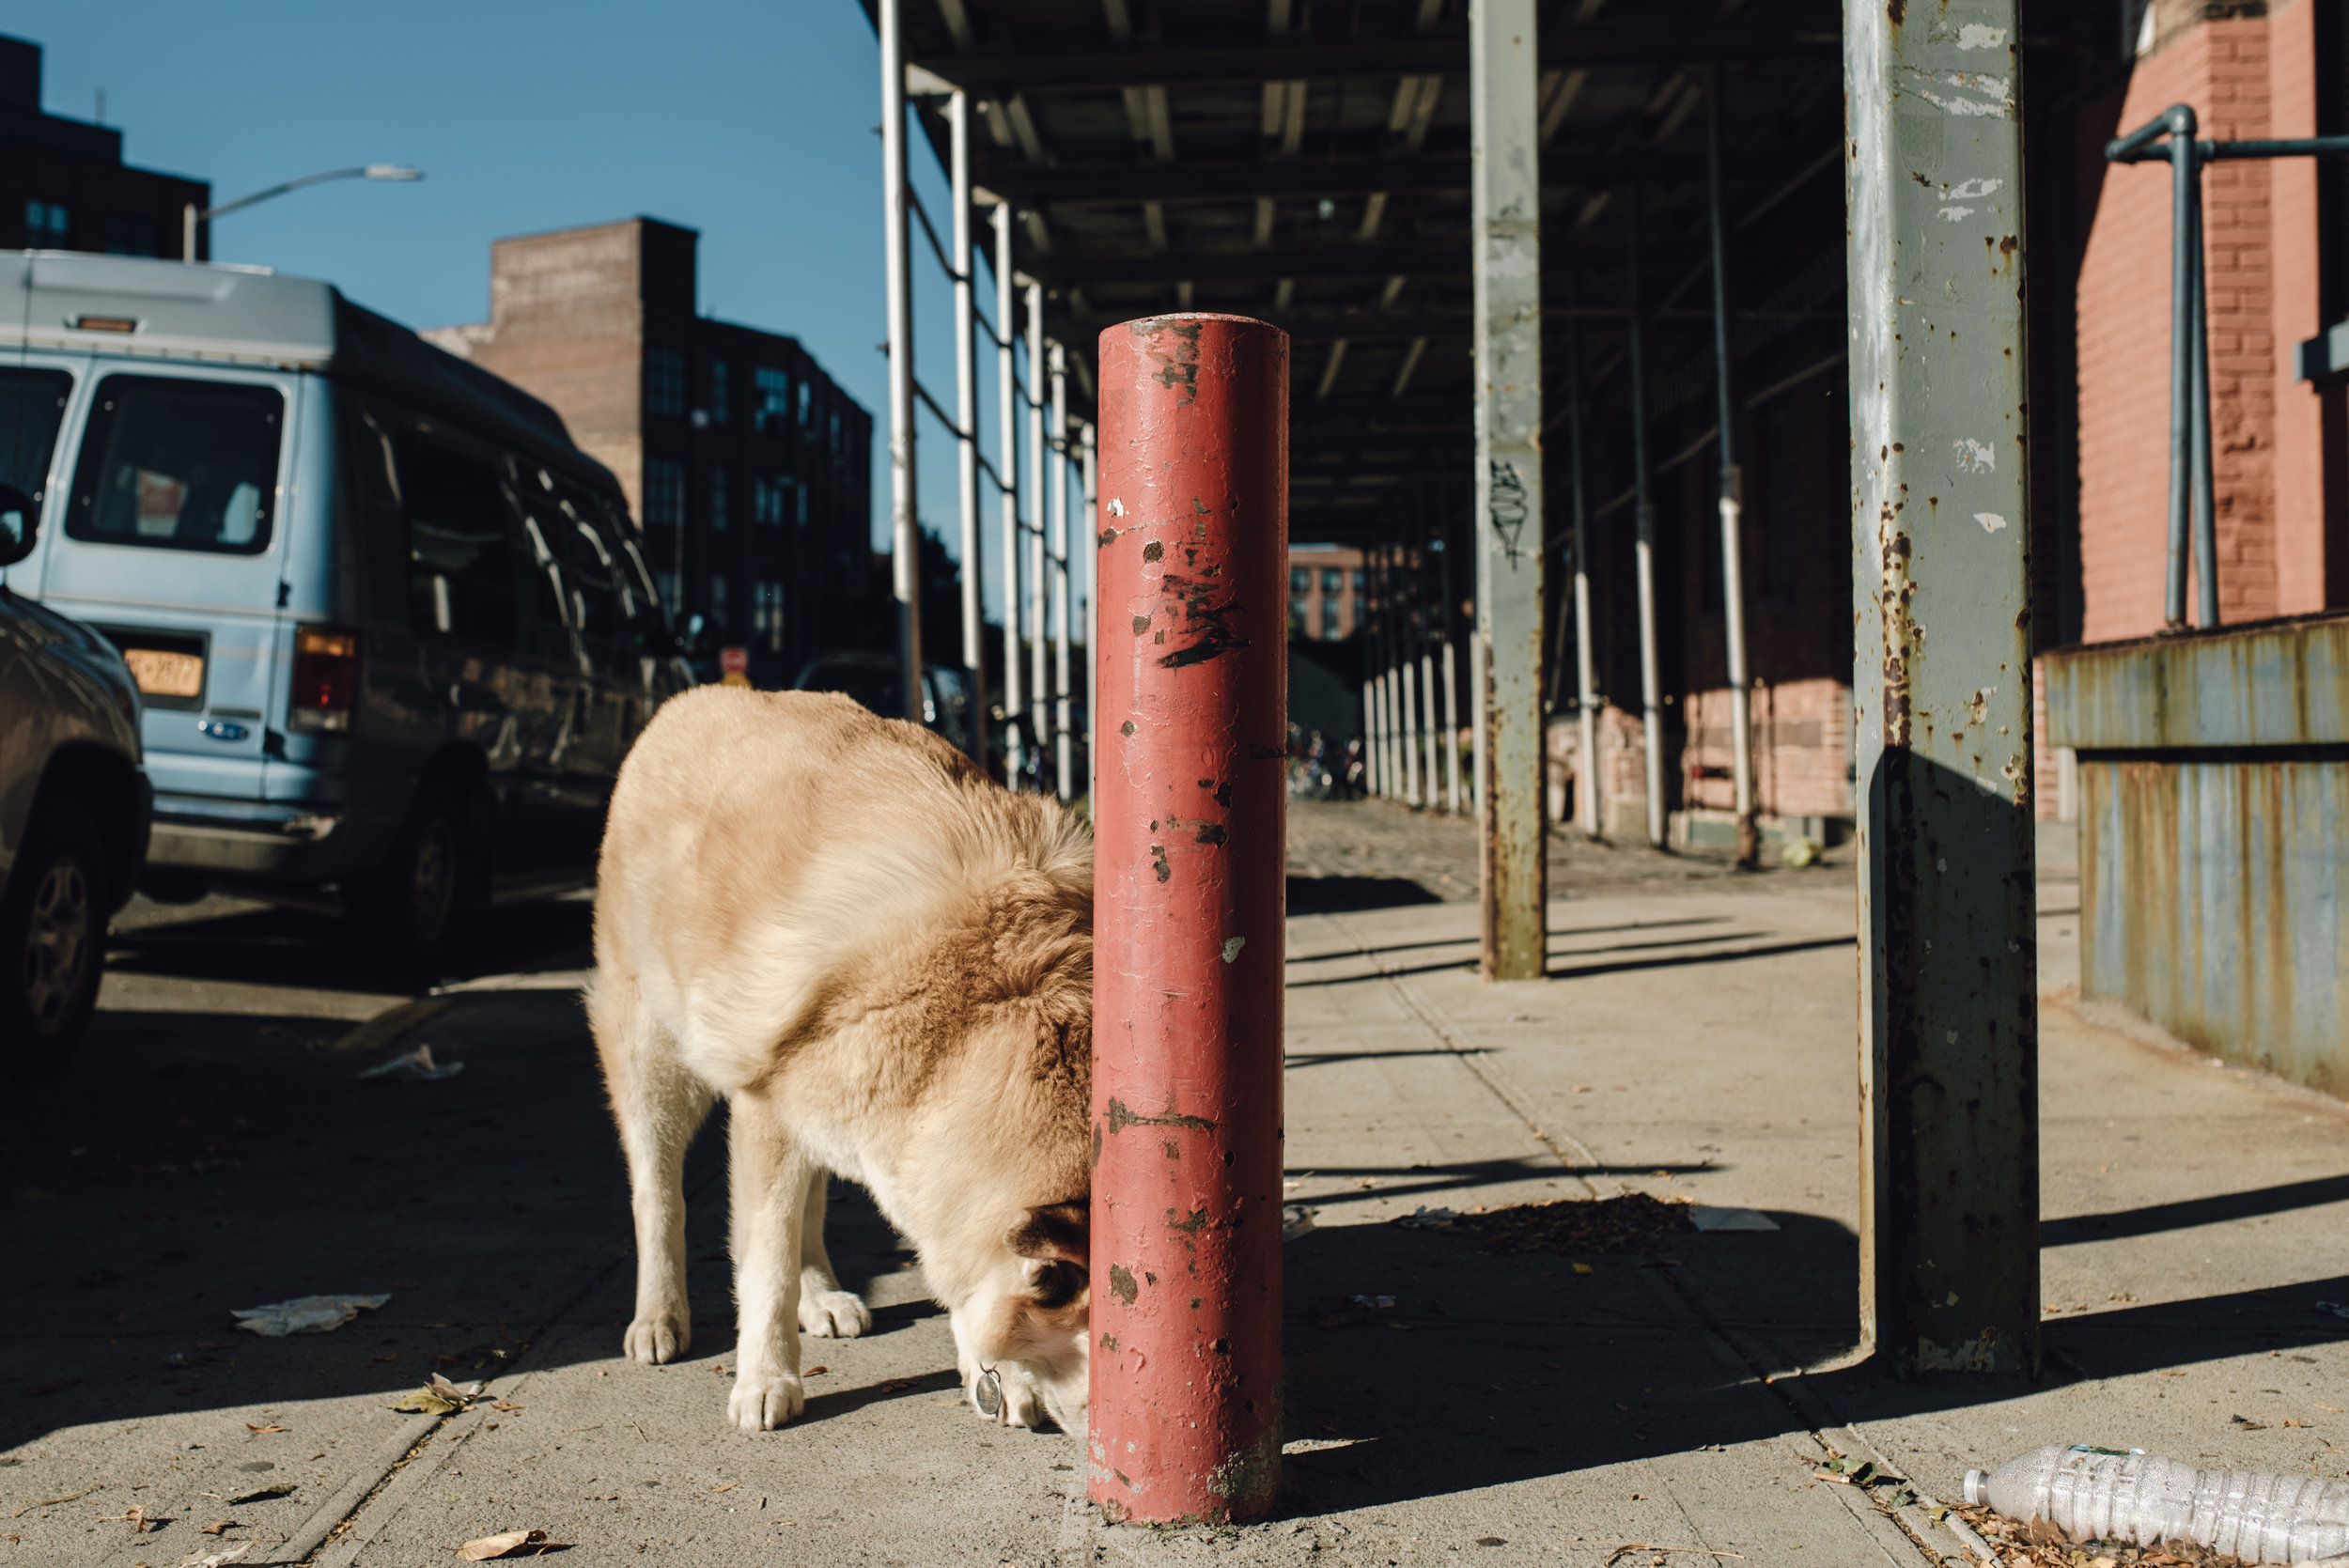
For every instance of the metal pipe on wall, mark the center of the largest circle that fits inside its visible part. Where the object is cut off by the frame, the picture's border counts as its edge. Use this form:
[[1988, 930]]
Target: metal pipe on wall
[[904, 535], [2181, 274], [1039, 463], [1732, 501], [2205, 484], [1007, 415], [1644, 554], [1064, 772], [967, 417]]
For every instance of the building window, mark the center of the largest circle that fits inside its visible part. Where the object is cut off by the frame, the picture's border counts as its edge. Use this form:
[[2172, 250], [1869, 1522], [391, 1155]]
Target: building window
[[1333, 582], [1300, 580], [665, 382], [1331, 629], [664, 492], [1358, 582], [767, 614], [718, 601], [719, 398], [717, 500], [45, 225], [769, 500], [131, 237], [666, 582], [1297, 616], [774, 398]]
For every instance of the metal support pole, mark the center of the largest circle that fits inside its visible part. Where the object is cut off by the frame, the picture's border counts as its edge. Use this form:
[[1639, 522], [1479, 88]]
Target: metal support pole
[[187, 231], [1732, 500], [1091, 474], [1041, 464], [2182, 273], [1505, 198], [905, 542], [1451, 697], [1007, 414], [1370, 732], [966, 436], [2205, 484], [1189, 856], [1428, 625], [1949, 1228], [1585, 666], [1643, 555], [1407, 679], [1064, 764]]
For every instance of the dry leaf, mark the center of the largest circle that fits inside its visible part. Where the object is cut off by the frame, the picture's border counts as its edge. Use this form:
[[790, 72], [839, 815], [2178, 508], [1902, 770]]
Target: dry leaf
[[257, 1431], [485, 1547], [137, 1516], [220, 1527], [727, 1488], [813, 1371], [502, 1404]]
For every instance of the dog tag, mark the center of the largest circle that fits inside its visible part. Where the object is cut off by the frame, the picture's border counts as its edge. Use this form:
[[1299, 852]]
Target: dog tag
[[989, 1391]]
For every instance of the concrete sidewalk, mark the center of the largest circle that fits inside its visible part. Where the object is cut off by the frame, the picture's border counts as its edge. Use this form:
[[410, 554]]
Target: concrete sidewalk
[[1695, 1038]]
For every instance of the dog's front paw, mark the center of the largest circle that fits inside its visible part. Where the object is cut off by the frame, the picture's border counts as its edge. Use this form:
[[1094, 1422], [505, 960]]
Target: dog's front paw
[[834, 1314], [657, 1338], [761, 1404]]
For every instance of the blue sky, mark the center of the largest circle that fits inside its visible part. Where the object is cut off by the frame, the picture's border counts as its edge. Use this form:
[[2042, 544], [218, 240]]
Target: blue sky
[[754, 124]]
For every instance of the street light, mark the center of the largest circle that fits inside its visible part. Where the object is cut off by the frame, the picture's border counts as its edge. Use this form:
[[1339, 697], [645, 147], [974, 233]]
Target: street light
[[190, 217]]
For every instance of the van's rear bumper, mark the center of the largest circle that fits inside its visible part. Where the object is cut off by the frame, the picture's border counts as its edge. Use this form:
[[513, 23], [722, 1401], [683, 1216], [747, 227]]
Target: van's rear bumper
[[263, 842]]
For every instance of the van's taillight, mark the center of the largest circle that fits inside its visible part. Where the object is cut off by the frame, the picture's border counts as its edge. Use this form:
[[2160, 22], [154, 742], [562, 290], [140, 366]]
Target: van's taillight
[[325, 677]]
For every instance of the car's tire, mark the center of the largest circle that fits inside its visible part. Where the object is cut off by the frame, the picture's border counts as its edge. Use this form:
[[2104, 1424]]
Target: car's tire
[[53, 943], [412, 910]]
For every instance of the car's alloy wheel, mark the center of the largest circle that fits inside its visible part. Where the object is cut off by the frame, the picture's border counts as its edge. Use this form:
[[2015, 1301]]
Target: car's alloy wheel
[[57, 945]]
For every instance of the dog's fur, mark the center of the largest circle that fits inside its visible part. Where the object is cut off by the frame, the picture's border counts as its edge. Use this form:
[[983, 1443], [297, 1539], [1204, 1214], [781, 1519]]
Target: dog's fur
[[884, 962]]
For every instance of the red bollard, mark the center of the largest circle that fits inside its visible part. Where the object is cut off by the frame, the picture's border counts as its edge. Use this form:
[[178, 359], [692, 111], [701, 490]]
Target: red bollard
[[1188, 809]]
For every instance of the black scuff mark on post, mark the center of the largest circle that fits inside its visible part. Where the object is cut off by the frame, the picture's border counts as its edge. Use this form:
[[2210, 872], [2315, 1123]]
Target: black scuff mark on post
[[1182, 370], [1125, 728], [1159, 863], [1209, 625], [1121, 1284], [1210, 832], [1154, 550], [1120, 1119]]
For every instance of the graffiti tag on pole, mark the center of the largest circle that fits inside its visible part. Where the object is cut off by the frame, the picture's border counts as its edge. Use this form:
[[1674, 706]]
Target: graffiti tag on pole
[[1506, 506]]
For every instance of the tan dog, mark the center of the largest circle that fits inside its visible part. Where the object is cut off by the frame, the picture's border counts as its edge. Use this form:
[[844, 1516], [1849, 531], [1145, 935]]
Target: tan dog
[[884, 962]]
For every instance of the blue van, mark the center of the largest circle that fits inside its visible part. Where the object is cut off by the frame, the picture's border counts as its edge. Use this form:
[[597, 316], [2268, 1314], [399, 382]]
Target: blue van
[[393, 630]]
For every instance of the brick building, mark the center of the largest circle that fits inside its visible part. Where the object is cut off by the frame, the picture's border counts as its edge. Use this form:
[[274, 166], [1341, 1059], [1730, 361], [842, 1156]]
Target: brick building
[[749, 467], [1326, 592], [63, 185]]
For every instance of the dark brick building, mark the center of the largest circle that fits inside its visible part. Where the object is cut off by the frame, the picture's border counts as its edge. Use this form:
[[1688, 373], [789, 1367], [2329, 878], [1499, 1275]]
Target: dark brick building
[[750, 469], [63, 184]]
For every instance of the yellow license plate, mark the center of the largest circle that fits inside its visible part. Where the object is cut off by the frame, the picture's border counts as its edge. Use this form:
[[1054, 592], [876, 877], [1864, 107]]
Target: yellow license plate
[[162, 673]]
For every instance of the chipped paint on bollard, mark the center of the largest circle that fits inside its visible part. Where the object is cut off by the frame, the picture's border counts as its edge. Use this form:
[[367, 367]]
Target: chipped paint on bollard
[[1949, 1228], [1190, 651], [2215, 836]]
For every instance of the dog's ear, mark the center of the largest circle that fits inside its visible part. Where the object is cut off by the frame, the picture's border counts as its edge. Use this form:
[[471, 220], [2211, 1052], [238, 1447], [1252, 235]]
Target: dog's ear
[[1060, 1232]]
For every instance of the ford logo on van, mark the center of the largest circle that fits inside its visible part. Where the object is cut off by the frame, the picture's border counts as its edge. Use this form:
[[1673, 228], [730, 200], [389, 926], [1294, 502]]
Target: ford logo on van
[[222, 729]]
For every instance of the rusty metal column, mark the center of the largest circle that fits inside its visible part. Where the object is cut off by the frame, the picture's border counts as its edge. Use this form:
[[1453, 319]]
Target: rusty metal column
[[1949, 1228], [1505, 197], [1007, 458], [1188, 854], [967, 417], [904, 535]]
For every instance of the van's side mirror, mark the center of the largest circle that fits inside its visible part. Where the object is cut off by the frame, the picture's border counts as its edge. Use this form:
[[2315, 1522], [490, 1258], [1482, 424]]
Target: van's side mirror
[[19, 515]]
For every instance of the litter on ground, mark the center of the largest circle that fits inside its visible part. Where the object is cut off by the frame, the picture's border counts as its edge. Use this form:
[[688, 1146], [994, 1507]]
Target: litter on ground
[[304, 1315]]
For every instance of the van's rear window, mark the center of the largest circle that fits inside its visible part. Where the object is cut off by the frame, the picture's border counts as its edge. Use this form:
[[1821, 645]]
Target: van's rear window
[[32, 404], [178, 465]]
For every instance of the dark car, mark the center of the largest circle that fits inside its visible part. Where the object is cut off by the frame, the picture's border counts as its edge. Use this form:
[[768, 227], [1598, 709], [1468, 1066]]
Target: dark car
[[876, 680], [73, 816]]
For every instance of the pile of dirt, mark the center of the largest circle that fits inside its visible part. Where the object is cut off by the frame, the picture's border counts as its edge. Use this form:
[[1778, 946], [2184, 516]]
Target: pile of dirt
[[1631, 1222]]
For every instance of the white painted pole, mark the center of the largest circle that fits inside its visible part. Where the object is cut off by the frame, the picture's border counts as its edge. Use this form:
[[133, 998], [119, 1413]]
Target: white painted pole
[[1040, 458], [1092, 547], [904, 529], [1007, 453], [1063, 769], [967, 438]]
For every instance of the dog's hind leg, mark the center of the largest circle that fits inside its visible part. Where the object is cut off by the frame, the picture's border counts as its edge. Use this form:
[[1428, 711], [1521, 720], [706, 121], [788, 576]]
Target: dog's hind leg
[[658, 1105], [825, 1311], [770, 1178]]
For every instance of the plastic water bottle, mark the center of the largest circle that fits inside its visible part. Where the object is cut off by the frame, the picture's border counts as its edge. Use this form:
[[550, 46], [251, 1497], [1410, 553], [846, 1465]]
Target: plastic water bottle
[[2136, 1499]]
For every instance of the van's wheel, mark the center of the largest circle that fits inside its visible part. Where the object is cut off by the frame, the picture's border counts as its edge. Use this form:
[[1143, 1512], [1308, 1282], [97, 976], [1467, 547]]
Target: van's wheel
[[413, 905], [53, 935]]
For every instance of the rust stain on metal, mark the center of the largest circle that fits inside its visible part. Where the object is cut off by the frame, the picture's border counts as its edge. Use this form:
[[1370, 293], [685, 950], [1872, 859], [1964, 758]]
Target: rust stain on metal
[[1120, 1118]]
